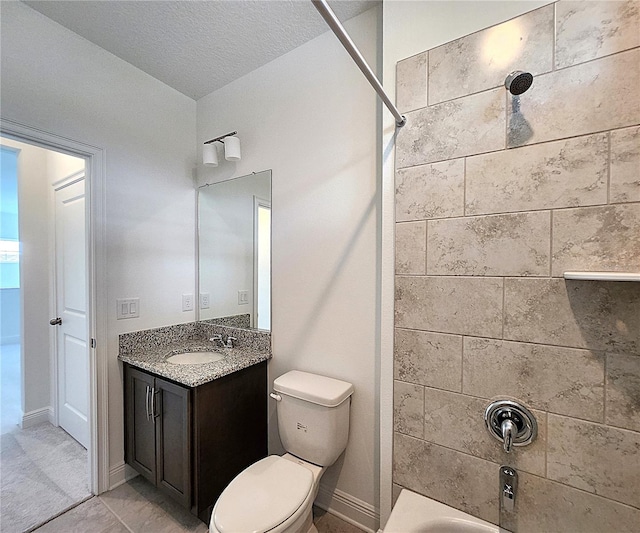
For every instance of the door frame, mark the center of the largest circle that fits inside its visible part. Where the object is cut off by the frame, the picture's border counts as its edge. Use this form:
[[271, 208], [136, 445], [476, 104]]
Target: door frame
[[95, 220], [259, 202]]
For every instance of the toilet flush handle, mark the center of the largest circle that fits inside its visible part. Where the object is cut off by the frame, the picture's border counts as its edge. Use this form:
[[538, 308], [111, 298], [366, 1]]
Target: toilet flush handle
[[276, 397]]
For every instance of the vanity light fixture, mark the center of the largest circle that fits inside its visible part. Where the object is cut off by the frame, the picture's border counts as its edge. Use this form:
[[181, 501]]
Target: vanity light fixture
[[231, 149]]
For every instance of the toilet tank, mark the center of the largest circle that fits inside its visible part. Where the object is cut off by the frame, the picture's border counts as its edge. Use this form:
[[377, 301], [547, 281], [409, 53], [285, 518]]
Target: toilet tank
[[313, 415]]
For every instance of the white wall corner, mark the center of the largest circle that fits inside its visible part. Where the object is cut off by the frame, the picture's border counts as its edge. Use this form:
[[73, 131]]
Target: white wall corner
[[348, 508], [37, 416], [119, 474]]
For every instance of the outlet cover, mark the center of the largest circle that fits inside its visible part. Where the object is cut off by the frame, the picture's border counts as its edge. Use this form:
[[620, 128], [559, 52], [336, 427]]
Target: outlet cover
[[205, 300], [243, 297], [187, 302]]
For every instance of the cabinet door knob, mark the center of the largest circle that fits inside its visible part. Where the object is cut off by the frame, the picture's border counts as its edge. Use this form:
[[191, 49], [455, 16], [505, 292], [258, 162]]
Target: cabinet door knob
[[55, 321]]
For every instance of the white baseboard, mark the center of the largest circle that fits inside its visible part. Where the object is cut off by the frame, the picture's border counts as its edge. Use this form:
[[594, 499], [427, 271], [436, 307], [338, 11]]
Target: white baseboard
[[348, 508], [38, 416], [119, 474]]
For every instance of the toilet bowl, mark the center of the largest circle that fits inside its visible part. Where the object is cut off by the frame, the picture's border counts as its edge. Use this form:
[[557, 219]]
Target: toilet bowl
[[276, 494]]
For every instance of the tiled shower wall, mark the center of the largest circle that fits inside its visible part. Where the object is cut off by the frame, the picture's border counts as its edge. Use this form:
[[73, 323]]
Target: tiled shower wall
[[496, 197]]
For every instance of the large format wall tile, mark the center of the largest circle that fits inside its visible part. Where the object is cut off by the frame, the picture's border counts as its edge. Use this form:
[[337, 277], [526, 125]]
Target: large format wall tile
[[587, 30], [470, 125], [411, 83], [597, 238], [561, 380], [623, 391], [468, 306], [482, 60], [582, 314], [411, 247], [454, 478], [595, 458], [457, 421], [588, 98], [544, 506], [408, 408], [430, 191], [493, 245], [426, 358], [625, 165], [566, 173]]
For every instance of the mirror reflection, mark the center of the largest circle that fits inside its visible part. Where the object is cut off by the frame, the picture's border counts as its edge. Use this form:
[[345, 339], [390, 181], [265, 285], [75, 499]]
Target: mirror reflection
[[234, 239]]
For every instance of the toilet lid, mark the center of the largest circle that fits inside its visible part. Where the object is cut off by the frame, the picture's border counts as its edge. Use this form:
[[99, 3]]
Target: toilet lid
[[262, 496]]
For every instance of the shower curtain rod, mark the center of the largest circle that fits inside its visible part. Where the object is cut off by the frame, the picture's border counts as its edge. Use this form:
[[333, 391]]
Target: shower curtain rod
[[329, 16]]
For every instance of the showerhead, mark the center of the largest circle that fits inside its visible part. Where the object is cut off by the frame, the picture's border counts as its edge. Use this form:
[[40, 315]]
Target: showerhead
[[518, 82]]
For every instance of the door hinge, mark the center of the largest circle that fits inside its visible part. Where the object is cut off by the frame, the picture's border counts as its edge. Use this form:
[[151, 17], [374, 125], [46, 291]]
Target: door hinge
[[93, 343]]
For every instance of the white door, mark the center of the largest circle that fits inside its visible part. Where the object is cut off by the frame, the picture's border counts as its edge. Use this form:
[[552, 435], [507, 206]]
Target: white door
[[71, 306]]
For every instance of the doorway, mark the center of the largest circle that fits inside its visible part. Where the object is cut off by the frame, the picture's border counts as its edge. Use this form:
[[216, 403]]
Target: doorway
[[73, 288]]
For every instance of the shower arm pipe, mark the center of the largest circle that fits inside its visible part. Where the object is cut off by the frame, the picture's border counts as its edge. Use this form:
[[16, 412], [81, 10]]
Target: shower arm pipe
[[342, 35], [220, 138]]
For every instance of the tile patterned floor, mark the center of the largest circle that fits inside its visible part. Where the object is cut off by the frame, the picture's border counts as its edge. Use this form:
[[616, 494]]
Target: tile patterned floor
[[137, 507]]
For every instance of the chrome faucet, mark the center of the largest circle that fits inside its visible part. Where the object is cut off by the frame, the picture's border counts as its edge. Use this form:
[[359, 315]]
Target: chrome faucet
[[509, 431], [508, 487], [217, 337]]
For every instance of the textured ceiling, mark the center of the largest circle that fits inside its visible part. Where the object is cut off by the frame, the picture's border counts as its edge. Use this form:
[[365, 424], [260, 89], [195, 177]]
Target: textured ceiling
[[196, 47]]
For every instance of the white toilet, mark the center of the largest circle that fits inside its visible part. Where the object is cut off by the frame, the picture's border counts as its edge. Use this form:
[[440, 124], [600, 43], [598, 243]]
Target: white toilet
[[276, 494]]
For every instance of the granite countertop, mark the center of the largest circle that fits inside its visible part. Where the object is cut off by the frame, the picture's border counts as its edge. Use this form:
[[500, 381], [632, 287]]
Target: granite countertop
[[153, 359]]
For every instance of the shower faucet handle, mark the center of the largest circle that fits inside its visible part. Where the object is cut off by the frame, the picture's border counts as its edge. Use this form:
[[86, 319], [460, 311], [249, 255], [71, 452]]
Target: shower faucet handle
[[509, 431]]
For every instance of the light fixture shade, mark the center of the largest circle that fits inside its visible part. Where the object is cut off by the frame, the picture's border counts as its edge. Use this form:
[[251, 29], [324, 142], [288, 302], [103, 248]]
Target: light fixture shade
[[210, 155], [232, 149]]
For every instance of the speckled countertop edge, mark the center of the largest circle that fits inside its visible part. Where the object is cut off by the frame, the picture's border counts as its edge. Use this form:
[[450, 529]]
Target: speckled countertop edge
[[153, 359]]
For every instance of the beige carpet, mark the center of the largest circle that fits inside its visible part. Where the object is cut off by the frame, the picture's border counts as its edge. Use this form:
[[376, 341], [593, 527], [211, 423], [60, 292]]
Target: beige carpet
[[43, 472]]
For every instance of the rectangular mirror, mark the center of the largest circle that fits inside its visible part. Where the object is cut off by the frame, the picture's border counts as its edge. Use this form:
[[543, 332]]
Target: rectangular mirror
[[234, 251]]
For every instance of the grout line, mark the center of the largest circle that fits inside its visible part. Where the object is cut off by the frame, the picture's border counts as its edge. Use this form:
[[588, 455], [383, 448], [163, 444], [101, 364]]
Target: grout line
[[605, 386], [427, 76], [506, 120], [464, 188], [462, 365], [404, 328], [426, 246], [488, 398], [551, 243], [546, 444], [609, 168], [555, 37], [524, 211], [504, 311], [500, 150], [59, 514], [116, 515]]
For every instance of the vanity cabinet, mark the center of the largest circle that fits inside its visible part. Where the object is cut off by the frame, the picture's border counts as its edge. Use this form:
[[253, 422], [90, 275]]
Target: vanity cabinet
[[192, 441]]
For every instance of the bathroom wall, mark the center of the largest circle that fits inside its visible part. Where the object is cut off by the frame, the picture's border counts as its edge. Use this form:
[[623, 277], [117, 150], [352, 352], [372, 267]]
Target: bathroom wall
[[58, 82], [496, 196], [310, 116]]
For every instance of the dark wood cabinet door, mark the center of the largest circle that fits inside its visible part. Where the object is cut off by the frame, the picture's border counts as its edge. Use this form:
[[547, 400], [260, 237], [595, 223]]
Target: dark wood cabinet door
[[172, 411], [140, 451]]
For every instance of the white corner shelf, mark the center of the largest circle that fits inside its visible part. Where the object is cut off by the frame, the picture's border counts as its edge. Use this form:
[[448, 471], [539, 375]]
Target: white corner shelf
[[603, 276]]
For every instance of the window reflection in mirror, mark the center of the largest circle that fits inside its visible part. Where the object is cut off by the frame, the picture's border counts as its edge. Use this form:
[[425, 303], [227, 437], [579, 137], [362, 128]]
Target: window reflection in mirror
[[234, 242]]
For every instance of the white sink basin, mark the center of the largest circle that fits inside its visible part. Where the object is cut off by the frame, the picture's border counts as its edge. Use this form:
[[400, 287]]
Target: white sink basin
[[194, 358]]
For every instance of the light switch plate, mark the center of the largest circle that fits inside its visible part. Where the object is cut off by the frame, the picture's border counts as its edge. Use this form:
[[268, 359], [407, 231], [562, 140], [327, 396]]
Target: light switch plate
[[243, 297], [127, 308], [187, 302]]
